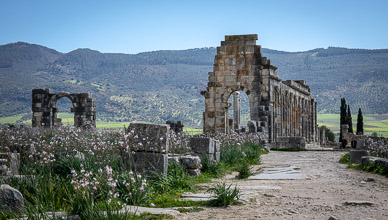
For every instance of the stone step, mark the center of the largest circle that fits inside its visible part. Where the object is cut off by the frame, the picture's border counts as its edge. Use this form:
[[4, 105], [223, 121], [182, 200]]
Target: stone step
[[3, 162]]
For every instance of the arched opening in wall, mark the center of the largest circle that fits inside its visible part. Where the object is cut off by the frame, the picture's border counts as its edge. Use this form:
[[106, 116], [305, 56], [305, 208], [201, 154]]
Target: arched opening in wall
[[238, 111], [64, 116]]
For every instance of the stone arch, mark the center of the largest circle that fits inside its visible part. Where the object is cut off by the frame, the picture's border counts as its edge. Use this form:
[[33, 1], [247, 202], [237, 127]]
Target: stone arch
[[44, 110], [237, 67], [277, 108]]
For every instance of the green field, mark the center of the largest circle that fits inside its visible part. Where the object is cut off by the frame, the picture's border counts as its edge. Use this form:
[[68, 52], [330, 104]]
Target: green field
[[11, 119], [372, 123], [68, 120]]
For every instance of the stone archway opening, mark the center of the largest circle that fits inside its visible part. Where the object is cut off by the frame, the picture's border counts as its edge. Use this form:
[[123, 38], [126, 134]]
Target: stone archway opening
[[238, 111], [63, 115]]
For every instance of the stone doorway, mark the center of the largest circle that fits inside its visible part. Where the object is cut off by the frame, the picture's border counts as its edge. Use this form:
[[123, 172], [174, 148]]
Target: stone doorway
[[238, 111], [64, 115]]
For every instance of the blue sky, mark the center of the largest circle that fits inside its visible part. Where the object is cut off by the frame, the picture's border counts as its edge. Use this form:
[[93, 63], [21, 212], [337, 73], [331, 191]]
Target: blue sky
[[144, 25]]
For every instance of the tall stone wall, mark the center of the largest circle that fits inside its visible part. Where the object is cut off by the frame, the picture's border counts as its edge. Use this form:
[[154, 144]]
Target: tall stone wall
[[44, 111], [277, 108]]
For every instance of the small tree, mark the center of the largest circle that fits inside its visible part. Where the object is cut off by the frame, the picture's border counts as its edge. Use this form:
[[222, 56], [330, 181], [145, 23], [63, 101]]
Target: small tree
[[360, 123], [329, 134], [349, 120]]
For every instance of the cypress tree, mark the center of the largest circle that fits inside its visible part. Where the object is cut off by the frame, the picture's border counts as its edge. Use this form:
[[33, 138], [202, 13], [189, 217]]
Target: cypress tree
[[360, 122], [349, 120], [342, 116]]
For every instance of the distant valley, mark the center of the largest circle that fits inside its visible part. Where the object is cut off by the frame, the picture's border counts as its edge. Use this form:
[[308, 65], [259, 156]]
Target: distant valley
[[165, 85]]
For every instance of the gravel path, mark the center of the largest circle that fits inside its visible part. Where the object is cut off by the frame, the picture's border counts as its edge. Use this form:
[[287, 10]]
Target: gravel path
[[321, 193]]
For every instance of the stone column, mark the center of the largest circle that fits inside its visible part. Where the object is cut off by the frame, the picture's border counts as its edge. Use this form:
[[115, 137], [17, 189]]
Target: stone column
[[236, 110]]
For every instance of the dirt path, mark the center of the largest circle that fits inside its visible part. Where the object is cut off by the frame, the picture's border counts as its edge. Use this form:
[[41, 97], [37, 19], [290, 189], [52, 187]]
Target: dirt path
[[320, 194]]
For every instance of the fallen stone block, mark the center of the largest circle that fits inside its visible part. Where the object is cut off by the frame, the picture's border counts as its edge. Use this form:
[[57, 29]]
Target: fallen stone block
[[366, 160], [356, 155], [382, 162], [149, 137], [138, 210], [191, 162], [11, 200], [148, 163], [202, 145], [194, 172], [359, 202]]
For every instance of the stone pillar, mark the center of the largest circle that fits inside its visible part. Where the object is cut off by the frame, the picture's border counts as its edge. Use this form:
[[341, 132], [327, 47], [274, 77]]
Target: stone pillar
[[322, 135], [42, 114], [236, 110]]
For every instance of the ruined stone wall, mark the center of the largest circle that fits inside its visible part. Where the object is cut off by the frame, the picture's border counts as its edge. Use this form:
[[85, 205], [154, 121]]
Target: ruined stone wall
[[277, 108], [44, 111]]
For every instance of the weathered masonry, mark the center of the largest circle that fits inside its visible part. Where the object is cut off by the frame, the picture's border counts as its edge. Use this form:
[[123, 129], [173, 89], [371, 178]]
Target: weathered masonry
[[277, 108], [44, 111]]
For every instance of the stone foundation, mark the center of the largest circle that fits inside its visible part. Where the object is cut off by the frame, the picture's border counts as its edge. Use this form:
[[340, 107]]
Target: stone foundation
[[290, 143], [150, 145], [206, 147], [356, 155]]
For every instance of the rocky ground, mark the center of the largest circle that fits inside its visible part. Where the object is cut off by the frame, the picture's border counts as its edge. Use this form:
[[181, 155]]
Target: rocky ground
[[320, 192]]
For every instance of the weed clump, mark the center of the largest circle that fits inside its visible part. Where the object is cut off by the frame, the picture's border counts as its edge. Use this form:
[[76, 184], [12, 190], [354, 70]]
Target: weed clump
[[223, 195]]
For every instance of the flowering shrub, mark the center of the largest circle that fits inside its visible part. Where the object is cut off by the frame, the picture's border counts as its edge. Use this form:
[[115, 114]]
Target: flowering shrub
[[82, 171], [234, 138], [133, 188], [378, 146], [86, 172]]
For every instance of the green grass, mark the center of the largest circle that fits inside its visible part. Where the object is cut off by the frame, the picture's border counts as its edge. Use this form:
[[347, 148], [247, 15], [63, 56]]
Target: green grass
[[372, 123], [111, 125], [192, 131], [372, 168], [11, 119], [75, 82]]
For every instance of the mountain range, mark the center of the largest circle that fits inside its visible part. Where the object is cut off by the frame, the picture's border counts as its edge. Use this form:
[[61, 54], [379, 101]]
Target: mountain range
[[165, 85]]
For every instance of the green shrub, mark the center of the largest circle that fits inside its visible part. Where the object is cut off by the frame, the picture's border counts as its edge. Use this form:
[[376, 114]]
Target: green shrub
[[176, 180], [252, 152], [212, 168], [230, 155], [223, 195], [243, 170], [345, 158], [374, 168]]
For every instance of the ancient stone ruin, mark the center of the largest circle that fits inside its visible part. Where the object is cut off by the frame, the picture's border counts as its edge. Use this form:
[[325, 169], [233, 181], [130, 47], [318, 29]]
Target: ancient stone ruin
[[176, 126], [150, 147], [277, 108], [44, 111]]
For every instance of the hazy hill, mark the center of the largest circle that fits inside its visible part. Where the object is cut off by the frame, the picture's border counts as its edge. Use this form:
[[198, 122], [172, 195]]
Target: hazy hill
[[165, 85]]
